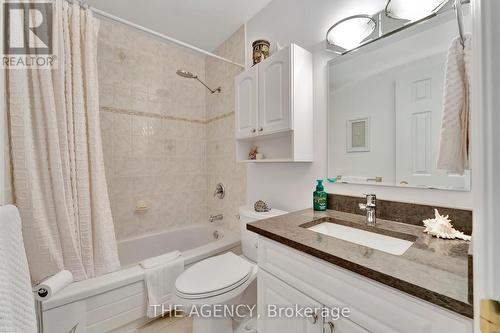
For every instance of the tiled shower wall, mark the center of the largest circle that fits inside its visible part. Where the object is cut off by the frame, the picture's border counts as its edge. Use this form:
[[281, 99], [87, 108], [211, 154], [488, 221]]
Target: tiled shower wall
[[158, 130], [221, 147]]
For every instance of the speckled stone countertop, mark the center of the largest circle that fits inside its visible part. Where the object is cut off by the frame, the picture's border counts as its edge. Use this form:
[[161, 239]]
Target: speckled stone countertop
[[432, 269]]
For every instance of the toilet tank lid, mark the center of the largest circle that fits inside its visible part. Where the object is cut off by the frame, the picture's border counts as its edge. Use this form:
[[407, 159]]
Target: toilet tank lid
[[250, 212]]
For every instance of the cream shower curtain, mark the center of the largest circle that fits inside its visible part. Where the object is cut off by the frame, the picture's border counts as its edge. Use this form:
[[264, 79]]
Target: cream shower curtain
[[59, 180]]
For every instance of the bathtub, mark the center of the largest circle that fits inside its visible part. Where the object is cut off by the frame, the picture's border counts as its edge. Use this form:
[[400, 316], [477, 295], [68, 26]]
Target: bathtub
[[116, 302]]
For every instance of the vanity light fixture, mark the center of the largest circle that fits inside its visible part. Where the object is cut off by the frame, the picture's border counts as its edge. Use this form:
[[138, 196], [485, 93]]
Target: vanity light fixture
[[412, 10], [351, 31]]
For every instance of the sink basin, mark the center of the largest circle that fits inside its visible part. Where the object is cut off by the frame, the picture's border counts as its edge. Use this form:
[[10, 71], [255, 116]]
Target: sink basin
[[374, 240]]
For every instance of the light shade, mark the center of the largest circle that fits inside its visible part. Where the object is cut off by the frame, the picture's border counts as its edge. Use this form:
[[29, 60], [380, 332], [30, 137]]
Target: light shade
[[412, 10], [351, 31]]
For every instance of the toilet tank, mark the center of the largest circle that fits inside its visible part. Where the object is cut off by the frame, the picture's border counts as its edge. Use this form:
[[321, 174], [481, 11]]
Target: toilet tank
[[249, 240]]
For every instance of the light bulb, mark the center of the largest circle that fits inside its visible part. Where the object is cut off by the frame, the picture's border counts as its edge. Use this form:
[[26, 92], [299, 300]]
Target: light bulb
[[412, 10], [351, 31]]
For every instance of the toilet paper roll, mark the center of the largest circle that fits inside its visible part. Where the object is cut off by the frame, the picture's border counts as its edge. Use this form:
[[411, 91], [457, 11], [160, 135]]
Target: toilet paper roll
[[52, 285]]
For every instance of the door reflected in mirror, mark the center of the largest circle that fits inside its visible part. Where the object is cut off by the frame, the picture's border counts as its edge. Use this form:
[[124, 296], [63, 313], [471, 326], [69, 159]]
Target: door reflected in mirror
[[385, 111]]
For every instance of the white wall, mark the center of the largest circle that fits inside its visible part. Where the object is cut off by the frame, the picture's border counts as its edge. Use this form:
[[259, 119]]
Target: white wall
[[290, 186]]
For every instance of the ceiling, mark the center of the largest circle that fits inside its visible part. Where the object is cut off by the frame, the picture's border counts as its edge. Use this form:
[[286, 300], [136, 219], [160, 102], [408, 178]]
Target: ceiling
[[202, 23]]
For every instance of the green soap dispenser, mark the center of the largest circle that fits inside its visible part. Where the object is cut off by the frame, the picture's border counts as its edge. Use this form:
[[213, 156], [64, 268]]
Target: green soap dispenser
[[320, 197]]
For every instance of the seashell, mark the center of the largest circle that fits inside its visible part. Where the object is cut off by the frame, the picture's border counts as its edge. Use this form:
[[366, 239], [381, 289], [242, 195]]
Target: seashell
[[441, 227], [261, 206]]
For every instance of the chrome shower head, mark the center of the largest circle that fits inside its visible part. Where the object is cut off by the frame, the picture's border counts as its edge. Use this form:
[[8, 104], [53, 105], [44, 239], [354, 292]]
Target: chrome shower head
[[189, 75], [186, 74]]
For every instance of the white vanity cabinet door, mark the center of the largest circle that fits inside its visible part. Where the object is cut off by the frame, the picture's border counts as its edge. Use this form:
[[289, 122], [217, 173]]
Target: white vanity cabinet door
[[273, 292], [246, 103], [274, 92]]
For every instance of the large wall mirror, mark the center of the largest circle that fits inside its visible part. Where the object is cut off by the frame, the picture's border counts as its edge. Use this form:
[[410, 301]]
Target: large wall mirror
[[385, 110]]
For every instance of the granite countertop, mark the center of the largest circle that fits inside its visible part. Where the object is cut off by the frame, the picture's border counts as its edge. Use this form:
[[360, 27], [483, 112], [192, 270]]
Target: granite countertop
[[435, 270]]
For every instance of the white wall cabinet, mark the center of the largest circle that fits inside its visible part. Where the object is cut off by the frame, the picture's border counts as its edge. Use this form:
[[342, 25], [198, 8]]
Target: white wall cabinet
[[288, 277], [246, 103], [274, 107], [274, 93]]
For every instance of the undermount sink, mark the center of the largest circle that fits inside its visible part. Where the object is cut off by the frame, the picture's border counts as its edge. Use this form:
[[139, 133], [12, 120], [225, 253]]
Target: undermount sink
[[394, 245]]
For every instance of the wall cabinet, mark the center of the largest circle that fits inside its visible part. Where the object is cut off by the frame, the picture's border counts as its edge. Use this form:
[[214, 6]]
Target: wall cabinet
[[288, 277], [274, 107], [246, 103], [274, 93]]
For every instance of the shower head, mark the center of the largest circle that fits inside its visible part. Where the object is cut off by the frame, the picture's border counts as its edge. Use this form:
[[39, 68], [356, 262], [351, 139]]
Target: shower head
[[189, 75], [186, 74]]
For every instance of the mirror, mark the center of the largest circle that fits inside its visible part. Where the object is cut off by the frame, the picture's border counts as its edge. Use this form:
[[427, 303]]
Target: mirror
[[385, 110]]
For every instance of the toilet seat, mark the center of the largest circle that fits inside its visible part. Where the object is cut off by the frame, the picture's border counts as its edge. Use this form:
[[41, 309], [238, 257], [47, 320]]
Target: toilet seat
[[213, 277]]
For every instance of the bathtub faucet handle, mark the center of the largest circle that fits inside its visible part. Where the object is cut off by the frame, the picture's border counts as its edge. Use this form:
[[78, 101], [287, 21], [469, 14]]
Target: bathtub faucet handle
[[220, 191]]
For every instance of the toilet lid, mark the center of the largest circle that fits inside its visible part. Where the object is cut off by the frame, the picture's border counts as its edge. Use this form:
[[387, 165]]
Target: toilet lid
[[213, 276]]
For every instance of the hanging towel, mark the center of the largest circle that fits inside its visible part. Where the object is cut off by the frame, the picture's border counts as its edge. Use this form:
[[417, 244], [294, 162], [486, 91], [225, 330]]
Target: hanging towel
[[17, 307], [160, 274], [454, 148]]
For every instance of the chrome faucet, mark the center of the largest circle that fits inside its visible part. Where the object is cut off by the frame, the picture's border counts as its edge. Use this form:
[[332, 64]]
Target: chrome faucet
[[370, 207], [214, 218]]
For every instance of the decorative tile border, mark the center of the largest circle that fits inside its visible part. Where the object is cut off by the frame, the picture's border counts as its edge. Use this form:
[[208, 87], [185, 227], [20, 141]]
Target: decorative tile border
[[159, 116]]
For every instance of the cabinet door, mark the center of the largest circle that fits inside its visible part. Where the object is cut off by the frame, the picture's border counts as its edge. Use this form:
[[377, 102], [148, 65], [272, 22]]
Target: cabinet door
[[275, 295], [274, 93], [246, 103]]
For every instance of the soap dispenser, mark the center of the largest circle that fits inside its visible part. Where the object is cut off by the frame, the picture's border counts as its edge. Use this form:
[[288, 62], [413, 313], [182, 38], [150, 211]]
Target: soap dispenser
[[320, 197]]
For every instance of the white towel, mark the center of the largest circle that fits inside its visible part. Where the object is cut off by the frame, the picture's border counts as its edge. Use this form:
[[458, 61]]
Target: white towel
[[17, 307], [454, 149], [160, 260], [160, 274]]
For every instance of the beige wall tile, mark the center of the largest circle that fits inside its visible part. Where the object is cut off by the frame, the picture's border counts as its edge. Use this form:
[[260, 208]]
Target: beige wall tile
[[171, 164]]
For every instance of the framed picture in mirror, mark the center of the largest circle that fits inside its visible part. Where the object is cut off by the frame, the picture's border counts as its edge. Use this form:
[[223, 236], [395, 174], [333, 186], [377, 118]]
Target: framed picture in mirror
[[358, 135]]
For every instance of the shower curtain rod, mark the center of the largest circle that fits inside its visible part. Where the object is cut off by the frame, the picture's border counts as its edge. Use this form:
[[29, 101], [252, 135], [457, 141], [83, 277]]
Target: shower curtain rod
[[156, 34]]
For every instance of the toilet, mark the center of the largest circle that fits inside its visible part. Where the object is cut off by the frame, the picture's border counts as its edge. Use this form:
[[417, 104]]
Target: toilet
[[223, 280]]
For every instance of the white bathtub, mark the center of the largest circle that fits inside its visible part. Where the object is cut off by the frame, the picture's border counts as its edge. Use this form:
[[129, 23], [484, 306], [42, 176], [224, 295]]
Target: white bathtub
[[116, 302]]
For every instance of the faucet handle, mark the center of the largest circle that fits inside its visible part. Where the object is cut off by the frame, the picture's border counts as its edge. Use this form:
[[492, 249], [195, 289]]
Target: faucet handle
[[371, 199]]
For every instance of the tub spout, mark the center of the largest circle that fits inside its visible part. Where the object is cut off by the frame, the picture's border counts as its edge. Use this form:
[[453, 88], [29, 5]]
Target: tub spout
[[214, 218]]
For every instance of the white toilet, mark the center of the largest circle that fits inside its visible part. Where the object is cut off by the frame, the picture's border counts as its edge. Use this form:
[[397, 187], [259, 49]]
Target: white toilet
[[222, 280]]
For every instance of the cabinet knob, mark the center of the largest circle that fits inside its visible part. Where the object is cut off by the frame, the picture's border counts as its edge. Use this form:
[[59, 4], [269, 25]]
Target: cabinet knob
[[261, 129], [253, 130], [313, 318], [330, 326]]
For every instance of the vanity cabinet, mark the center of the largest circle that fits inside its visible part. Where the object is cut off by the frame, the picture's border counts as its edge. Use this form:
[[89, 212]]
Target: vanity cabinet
[[274, 108], [274, 292], [287, 277]]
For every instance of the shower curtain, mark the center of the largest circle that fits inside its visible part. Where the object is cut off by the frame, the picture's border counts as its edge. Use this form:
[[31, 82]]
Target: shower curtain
[[58, 170]]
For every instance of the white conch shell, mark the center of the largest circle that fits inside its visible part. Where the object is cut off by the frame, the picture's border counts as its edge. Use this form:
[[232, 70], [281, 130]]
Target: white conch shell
[[441, 227]]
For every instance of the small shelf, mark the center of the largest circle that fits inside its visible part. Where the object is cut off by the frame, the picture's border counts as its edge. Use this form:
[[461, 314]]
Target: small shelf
[[270, 135], [273, 161], [277, 147]]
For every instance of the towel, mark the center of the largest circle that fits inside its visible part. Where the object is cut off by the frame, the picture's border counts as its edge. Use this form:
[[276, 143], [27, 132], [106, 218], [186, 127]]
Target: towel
[[454, 148], [160, 274], [17, 307]]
